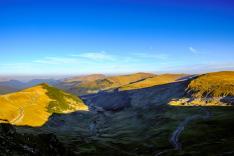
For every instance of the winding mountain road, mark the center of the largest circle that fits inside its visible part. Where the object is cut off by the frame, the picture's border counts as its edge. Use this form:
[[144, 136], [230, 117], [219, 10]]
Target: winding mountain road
[[20, 115], [174, 140]]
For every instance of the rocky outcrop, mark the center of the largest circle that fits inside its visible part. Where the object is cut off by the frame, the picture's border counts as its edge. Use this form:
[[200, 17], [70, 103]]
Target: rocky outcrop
[[13, 143]]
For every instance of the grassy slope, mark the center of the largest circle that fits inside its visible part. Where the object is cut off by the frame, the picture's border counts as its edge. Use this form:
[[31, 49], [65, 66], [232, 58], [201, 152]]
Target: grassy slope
[[33, 106], [110, 82], [213, 84], [126, 79], [212, 89], [92, 77], [156, 80], [210, 137], [63, 102], [145, 132], [148, 134]]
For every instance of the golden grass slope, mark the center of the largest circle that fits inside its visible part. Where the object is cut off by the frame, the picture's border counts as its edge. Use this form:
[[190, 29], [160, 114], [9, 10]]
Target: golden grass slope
[[91, 77], [126, 79], [212, 89], [117, 81], [111, 82], [153, 81], [213, 84], [30, 106]]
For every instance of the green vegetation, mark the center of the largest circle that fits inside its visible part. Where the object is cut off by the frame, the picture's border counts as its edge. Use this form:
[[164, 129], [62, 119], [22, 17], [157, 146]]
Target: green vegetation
[[213, 84], [59, 103], [146, 132], [213, 136]]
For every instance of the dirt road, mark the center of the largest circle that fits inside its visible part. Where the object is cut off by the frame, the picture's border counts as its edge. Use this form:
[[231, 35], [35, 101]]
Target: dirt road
[[174, 140]]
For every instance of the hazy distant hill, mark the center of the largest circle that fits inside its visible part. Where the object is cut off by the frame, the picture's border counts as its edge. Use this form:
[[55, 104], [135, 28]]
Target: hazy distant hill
[[13, 83], [7, 89], [17, 85], [33, 106]]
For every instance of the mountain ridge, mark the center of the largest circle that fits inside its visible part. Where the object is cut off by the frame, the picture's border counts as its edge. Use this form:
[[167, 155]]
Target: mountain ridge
[[34, 105]]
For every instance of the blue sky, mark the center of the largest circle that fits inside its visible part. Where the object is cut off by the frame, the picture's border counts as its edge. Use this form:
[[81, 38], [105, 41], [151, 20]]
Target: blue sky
[[115, 36]]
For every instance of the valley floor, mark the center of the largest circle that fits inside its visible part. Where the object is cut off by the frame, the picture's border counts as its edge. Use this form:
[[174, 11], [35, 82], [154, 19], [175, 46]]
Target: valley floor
[[158, 130]]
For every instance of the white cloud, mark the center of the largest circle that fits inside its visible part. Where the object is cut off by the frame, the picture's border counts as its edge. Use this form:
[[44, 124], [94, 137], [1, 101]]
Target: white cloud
[[193, 50], [97, 56]]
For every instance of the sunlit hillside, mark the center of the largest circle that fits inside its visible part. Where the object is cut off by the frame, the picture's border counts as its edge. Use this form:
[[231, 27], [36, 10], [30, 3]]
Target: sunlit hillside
[[33, 106], [112, 82], [126, 79], [212, 89], [92, 77], [213, 84], [153, 81]]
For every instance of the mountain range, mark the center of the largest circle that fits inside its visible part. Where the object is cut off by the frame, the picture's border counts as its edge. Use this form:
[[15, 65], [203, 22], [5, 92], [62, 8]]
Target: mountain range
[[135, 114]]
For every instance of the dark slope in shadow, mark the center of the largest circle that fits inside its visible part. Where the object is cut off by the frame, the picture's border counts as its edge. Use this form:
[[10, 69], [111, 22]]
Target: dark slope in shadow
[[14, 143], [118, 100], [228, 99]]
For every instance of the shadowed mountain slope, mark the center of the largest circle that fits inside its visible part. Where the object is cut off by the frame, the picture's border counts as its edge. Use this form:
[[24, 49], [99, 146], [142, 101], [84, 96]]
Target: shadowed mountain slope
[[144, 97], [15, 144]]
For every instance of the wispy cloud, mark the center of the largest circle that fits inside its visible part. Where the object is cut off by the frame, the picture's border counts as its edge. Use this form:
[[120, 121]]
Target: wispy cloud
[[193, 50], [159, 56], [15, 65], [200, 68], [97, 56], [57, 60]]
